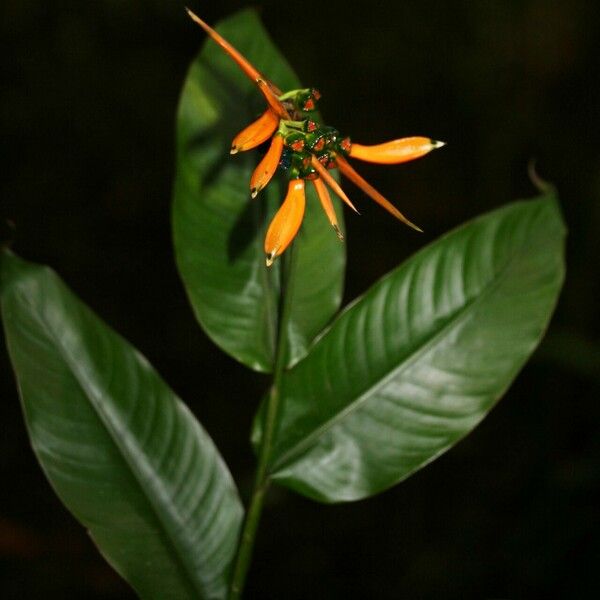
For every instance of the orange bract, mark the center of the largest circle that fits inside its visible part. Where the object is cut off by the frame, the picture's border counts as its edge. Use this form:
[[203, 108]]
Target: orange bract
[[267, 166], [248, 69], [287, 221], [256, 133], [396, 151], [327, 205]]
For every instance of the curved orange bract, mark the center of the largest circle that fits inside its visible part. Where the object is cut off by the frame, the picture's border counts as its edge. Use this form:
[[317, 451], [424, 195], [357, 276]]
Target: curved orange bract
[[396, 151], [286, 222], [267, 166], [256, 133], [252, 73]]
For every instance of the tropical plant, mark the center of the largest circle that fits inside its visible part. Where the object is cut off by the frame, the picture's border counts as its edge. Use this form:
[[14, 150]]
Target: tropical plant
[[359, 399]]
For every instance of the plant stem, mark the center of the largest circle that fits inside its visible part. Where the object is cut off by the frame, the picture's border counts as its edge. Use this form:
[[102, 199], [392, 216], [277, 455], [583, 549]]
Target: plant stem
[[261, 481]]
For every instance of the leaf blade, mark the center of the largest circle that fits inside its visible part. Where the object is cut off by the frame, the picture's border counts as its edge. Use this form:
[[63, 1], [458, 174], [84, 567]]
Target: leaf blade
[[120, 449], [416, 363]]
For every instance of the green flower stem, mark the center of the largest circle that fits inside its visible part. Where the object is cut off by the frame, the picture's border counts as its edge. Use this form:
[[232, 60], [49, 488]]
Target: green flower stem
[[261, 481]]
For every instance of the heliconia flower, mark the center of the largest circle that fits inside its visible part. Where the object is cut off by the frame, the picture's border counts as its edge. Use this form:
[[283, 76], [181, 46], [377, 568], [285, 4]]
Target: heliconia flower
[[307, 150]]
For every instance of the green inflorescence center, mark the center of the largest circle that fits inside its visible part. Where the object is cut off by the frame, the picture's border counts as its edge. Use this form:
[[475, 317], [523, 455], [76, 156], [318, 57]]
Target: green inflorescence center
[[305, 138]]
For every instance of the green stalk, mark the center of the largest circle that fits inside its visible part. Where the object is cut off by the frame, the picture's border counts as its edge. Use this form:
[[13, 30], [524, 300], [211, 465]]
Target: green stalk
[[261, 480]]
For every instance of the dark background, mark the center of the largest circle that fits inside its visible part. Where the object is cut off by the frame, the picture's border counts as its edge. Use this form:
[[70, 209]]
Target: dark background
[[87, 126]]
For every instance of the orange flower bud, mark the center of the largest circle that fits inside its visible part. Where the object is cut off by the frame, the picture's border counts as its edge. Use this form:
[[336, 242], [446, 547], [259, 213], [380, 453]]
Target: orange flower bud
[[327, 205], [286, 222], [267, 166], [368, 189], [396, 151], [256, 133]]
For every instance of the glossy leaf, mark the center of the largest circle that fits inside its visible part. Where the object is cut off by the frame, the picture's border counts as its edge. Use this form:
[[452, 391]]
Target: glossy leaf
[[123, 453], [219, 230], [419, 360]]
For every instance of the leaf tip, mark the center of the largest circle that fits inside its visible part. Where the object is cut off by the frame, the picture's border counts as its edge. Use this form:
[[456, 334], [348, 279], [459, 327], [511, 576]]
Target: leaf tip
[[541, 185]]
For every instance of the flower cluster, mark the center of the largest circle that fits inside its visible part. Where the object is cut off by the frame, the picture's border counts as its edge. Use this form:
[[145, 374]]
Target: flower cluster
[[306, 150]]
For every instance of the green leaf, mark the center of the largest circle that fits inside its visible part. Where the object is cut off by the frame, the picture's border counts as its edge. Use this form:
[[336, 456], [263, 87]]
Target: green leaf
[[219, 231], [417, 362], [122, 452]]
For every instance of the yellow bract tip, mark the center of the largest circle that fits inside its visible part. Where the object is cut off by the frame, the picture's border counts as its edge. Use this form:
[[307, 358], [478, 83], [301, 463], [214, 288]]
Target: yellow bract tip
[[271, 258]]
